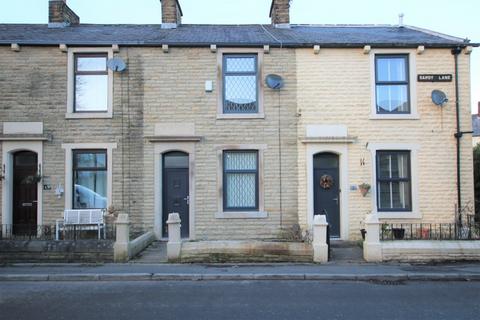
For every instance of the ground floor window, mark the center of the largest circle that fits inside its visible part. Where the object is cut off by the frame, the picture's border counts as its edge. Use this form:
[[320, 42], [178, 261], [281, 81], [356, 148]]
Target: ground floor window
[[89, 179], [393, 181], [240, 180]]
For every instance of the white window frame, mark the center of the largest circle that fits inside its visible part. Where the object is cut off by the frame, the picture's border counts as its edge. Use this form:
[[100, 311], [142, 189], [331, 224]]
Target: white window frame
[[69, 147], [260, 114], [414, 213], [412, 69], [257, 214], [71, 114]]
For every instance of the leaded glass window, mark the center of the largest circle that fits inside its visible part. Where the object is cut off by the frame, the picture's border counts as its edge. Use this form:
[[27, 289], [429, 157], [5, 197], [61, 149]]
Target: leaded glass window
[[240, 83], [240, 180], [91, 82], [89, 179], [392, 84], [393, 181]]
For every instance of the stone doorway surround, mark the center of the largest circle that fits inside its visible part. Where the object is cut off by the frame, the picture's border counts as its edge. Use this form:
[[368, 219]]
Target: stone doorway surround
[[333, 139], [20, 136], [173, 137]]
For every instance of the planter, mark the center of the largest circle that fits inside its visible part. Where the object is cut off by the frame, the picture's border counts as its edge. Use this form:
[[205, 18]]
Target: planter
[[398, 233], [425, 233], [363, 232], [364, 188]]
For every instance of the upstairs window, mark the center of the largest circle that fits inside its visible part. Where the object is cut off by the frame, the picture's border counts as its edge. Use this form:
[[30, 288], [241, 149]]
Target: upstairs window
[[394, 181], [91, 82], [240, 83], [392, 84]]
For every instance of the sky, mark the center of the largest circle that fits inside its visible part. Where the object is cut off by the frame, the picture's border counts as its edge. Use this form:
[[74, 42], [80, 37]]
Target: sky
[[454, 17]]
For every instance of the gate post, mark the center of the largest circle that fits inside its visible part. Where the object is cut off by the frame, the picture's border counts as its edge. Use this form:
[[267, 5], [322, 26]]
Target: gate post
[[174, 244], [122, 238], [320, 246], [372, 248]]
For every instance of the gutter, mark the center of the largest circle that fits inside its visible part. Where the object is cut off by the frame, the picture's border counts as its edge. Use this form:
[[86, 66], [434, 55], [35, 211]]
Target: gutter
[[240, 44]]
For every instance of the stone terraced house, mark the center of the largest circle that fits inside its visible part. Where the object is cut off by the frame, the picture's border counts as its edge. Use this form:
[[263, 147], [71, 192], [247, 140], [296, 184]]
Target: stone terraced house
[[198, 123]]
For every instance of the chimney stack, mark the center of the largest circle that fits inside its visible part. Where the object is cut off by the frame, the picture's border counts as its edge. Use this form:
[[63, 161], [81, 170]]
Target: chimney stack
[[171, 14], [60, 15], [280, 13], [478, 109]]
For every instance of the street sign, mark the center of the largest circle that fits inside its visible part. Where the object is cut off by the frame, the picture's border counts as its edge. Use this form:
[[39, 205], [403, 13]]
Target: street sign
[[435, 78]]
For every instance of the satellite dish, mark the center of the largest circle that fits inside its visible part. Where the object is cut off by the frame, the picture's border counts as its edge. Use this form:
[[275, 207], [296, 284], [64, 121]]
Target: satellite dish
[[116, 64], [439, 98], [274, 81]]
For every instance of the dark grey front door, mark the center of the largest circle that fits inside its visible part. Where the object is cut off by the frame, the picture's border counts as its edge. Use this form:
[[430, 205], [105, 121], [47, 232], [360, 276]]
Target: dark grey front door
[[326, 188], [175, 190]]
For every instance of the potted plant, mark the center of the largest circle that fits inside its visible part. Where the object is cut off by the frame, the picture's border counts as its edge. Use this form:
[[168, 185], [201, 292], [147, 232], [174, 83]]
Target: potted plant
[[32, 179], [364, 188], [363, 232], [425, 232], [398, 233], [386, 231], [111, 214]]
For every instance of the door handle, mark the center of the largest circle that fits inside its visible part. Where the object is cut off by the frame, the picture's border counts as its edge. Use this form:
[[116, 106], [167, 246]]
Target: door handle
[[187, 198], [27, 204], [335, 199], [35, 201]]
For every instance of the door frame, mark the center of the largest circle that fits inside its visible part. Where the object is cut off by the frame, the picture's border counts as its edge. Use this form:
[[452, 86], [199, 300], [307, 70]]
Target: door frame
[[342, 151], [317, 188], [8, 150], [164, 191], [159, 150]]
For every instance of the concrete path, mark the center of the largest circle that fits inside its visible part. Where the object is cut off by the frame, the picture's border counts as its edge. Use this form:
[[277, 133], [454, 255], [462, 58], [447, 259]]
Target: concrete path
[[154, 253], [163, 272], [346, 252]]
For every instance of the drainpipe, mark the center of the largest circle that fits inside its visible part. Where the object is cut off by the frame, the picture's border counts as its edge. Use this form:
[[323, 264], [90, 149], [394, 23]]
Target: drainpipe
[[458, 135]]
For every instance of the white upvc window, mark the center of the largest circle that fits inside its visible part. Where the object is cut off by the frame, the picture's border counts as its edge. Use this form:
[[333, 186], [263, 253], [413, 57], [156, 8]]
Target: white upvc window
[[395, 180], [90, 83], [393, 84]]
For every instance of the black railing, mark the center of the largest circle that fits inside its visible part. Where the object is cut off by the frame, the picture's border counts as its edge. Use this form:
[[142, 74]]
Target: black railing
[[430, 231], [49, 232]]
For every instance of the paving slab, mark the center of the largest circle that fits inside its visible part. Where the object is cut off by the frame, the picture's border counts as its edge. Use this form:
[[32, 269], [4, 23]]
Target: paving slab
[[206, 272]]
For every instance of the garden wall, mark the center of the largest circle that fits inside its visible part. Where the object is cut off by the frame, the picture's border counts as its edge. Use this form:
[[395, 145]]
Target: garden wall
[[80, 251]]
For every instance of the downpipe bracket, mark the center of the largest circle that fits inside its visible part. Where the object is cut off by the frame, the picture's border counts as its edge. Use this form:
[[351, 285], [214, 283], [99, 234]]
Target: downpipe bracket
[[460, 134]]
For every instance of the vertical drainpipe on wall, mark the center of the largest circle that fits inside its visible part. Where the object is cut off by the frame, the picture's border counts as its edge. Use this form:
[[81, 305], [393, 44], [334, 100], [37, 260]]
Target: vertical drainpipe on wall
[[458, 135], [279, 130]]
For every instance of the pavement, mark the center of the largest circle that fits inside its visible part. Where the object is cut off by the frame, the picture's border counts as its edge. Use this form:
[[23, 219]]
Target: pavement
[[240, 272]]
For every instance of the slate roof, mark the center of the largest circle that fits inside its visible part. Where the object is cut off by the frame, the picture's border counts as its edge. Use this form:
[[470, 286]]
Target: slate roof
[[226, 35]]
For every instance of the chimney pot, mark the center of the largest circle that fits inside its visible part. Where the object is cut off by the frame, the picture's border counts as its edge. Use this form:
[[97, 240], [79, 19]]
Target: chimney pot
[[280, 13], [171, 14], [60, 15]]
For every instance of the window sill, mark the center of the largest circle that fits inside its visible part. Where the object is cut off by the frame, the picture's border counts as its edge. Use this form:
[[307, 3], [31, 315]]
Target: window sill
[[241, 215], [399, 215], [89, 115], [412, 116], [225, 116]]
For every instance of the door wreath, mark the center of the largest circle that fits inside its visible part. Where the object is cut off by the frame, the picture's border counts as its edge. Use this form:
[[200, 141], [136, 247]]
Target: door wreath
[[326, 181]]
